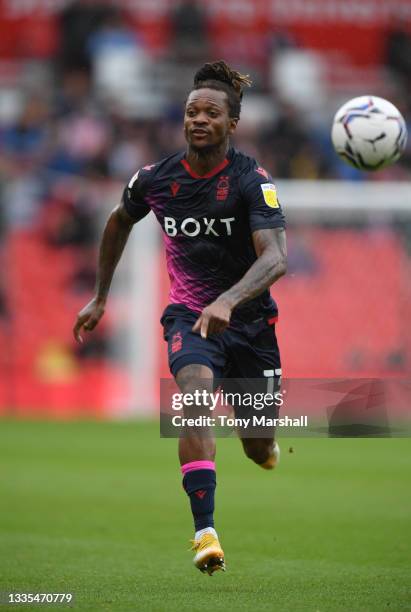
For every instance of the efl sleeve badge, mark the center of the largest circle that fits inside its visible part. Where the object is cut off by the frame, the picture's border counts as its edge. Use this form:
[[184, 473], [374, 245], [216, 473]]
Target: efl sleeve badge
[[270, 195]]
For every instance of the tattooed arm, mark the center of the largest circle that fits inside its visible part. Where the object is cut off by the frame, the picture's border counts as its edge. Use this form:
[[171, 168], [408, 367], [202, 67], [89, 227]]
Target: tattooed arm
[[270, 265]]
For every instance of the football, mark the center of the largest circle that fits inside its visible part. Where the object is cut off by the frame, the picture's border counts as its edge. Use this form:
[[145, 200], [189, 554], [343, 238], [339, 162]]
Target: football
[[369, 133]]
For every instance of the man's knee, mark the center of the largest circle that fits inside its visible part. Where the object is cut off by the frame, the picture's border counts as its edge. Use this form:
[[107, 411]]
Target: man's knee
[[195, 377], [196, 384]]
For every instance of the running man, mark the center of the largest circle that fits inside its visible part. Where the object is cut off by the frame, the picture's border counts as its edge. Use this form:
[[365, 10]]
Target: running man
[[224, 236]]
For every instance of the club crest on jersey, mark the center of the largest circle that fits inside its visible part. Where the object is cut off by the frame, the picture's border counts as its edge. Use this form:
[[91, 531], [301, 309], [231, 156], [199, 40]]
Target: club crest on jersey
[[176, 342], [270, 195], [223, 188]]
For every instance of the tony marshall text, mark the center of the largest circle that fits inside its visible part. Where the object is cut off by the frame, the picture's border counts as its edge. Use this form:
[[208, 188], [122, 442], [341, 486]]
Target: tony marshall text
[[225, 421]]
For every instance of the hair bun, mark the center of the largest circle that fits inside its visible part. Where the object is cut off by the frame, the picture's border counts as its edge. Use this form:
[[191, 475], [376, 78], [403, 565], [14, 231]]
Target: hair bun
[[220, 71]]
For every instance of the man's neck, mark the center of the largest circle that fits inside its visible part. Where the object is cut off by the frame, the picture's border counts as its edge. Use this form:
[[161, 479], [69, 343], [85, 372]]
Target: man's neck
[[202, 161]]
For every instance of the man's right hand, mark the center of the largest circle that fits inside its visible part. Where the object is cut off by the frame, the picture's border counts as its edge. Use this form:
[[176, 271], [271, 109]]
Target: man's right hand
[[88, 317]]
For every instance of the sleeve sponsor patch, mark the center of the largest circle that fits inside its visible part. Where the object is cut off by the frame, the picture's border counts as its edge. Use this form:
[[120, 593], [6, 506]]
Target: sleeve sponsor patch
[[270, 195]]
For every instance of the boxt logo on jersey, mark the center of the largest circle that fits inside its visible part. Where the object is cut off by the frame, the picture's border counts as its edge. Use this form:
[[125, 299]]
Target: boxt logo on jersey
[[193, 227]]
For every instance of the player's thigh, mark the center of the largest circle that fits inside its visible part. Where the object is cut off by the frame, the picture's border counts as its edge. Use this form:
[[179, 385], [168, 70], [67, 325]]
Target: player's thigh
[[254, 352], [254, 382], [255, 363], [188, 348]]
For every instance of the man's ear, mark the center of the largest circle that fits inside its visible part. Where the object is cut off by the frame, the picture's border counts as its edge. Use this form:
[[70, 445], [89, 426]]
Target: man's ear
[[232, 125]]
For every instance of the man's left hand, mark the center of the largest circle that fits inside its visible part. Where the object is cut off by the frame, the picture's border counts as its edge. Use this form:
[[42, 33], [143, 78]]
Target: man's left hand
[[214, 319]]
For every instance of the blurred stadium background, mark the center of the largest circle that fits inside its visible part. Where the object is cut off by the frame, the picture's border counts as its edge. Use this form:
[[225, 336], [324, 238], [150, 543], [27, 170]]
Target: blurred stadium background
[[92, 90]]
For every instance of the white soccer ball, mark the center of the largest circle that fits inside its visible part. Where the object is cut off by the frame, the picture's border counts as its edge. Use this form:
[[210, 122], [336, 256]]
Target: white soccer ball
[[369, 133]]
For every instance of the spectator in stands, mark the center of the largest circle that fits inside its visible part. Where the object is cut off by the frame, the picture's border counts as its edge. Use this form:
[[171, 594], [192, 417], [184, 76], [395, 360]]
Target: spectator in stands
[[74, 93], [27, 137], [188, 23], [77, 21], [112, 33], [283, 139], [398, 52]]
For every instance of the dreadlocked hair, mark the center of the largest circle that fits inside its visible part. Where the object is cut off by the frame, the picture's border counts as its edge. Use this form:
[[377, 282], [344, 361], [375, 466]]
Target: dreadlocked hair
[[219, 76]]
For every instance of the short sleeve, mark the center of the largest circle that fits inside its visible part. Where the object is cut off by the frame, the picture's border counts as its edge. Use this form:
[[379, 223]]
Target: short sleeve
[[135, 192], [260, 195]]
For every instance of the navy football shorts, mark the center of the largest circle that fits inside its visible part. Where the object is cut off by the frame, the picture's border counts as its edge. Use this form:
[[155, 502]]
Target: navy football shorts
[[246, 350]]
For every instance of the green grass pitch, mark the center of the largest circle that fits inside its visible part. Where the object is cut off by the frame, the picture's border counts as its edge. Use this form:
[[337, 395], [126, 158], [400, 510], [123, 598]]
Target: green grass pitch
[[97, 509]]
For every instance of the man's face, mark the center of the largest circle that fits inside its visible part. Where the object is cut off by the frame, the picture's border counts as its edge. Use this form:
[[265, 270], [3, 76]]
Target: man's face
[[206, 120]]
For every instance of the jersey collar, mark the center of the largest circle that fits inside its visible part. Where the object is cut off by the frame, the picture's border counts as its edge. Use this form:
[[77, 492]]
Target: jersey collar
[[212, 172]]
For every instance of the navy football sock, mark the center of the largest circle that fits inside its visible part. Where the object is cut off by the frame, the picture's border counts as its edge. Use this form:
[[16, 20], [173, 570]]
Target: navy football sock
[[200, 485]]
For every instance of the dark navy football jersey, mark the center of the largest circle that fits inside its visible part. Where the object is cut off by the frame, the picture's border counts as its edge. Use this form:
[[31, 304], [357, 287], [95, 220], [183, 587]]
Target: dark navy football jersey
[[207, 223]]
